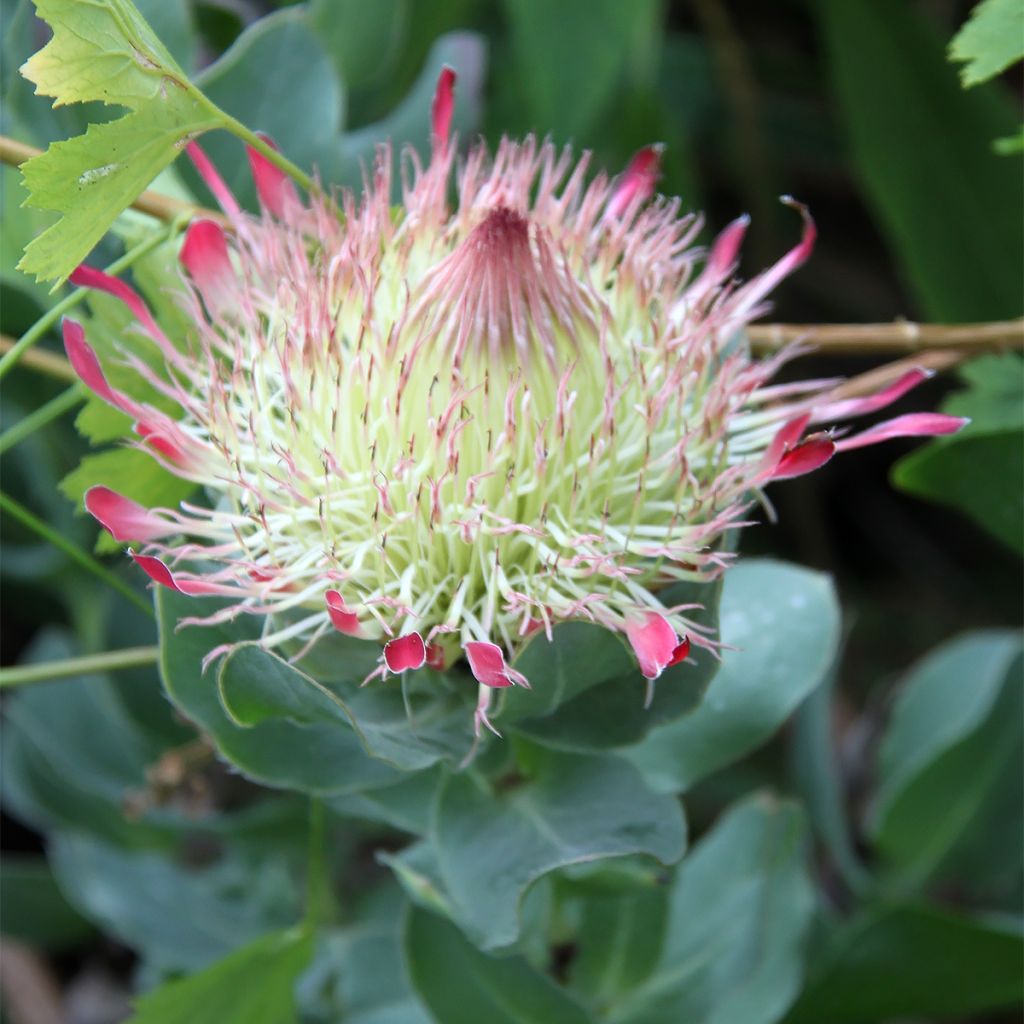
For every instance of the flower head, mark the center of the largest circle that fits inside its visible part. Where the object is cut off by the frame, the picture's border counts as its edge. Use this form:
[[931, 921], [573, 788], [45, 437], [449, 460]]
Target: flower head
[[445, 426]]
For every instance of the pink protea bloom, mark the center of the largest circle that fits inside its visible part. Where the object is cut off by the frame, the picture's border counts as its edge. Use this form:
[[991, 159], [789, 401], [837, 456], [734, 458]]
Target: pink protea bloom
[[445, 427]]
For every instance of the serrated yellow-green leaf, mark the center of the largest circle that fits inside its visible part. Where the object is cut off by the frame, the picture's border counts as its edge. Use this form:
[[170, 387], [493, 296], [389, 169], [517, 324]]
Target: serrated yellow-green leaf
[[990, 41], [101, 50], [91, 178], [104, 50]]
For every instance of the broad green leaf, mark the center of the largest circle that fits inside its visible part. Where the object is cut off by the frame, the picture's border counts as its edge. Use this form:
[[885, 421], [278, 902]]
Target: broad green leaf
[[980, 470], [949, 208], [818, 779], [913, 962], [418, 873], [738, 915], [612, 44], [780, 625], [254, 985], [364, 41], [34, 909], [955, 731], [357, 974], [491, 843], [91, 178], [411, 733], [179, 919], [612, 713], [318, 758], [989, 41], [581, 655], [461, 985], [405, 805], [275, 78], [619, 940]]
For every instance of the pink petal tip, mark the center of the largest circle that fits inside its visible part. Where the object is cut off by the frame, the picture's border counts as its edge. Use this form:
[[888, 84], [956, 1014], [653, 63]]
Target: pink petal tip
[[654, 642], [487, 663], [343, 618], [443, 108], [124, 519], [274, 187], [405, 654]]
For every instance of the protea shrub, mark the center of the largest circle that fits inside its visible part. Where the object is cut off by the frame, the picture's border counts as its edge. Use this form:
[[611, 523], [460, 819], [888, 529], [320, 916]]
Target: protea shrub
[[445, 426]]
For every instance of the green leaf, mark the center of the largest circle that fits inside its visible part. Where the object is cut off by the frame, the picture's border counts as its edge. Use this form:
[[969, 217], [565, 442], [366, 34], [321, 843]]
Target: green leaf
[[980, 470], [275, 78], [35, 910], [405, 805], [461, 985], [91, 178], [916, 139], [619, 939], [178, 919], [955, 731], [357, 975], [491, 845], [780, 625], [316, 758], [913, 962], [258, 686], [612, 43], [610, 713], [363, 40], [739, 911], [254, 985], [1009, 145], [989, 41], [102, 50]]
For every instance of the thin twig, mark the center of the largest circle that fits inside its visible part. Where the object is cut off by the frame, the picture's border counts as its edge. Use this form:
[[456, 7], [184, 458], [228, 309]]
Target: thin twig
[[70, 548], [888, 339], [39, 359], [11, 358], [41, 417], [66, 668], [151, 203]]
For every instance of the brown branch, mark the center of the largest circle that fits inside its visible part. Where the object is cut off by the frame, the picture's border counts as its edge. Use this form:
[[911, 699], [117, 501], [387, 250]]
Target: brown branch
[[39, 359], [28, 987], [889, 339], [152, 204]]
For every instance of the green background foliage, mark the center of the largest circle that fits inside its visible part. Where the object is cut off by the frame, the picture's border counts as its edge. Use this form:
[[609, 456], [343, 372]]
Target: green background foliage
[[824, 826]]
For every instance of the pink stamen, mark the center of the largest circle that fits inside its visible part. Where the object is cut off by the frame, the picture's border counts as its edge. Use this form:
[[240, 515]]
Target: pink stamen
[[214, 182], [157, 571], [638, 180], [89, 277], [914, 424], [872, 403], [274, 187]]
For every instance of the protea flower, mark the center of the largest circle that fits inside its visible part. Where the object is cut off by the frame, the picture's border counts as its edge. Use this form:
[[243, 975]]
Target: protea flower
[[445, 426]]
